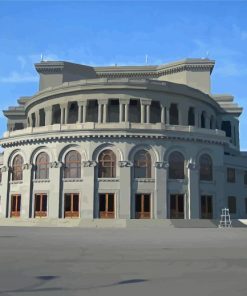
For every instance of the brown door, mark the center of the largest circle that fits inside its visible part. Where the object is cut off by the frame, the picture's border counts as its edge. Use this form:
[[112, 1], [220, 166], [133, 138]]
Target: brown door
[[40, 205], [206, 207], [106, 206], [15, 205], [71, 205], [176, 206], [142, 206]]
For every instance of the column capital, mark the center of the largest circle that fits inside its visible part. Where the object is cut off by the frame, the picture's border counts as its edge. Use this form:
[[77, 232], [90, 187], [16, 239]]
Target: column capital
[[82, 103], [27, 166], [56, 164], [103, 101], [145, 101], [124, 101], [192, 166]]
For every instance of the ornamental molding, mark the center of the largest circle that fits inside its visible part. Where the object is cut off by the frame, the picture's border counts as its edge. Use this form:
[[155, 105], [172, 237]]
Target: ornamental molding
[[16, 182], [161, 164], [27, 166], [89, 163], [192, 166], [144, 180], [72, 180], [108, 180], [5, 169], [56, 164], [125, 163], [41, 180]]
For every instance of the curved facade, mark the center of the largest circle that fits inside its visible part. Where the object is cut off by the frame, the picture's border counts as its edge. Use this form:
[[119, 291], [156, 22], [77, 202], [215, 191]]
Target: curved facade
[[147, 142]]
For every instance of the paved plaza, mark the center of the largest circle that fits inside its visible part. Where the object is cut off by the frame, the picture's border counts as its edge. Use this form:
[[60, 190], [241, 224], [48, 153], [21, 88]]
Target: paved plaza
[[132, 261]]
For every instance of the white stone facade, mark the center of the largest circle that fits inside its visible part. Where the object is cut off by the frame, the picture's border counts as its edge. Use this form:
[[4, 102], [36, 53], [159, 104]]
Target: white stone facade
[[108, 142]]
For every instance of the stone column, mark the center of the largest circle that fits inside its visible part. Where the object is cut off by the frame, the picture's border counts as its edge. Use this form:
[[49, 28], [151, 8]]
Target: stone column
[[99, 113], [37, 119], [160, 193], [25, 190], [167, 115], [162, 119], [66, 114], [55, 198], [88, 197], [125, 189], [127, 112], [120, 112], [104, 112], [48, 115], [148, 113], [142, 113], [84, 112], [80, 107], [193, 191]]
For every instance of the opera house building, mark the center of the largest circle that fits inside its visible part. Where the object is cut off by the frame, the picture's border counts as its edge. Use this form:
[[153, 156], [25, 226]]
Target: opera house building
[[123, 142]]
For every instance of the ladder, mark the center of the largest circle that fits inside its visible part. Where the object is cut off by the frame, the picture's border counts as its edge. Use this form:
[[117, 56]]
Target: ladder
[[225, 220]]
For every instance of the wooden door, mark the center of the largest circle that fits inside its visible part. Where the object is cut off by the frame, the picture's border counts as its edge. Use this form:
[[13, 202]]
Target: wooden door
[[206, 207], [15, 205], [106, 206], [176, 206], [71, 205], [40, 205], [142, 206]]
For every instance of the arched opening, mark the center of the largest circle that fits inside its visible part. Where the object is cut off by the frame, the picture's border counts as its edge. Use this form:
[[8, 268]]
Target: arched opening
[[226, 127], [212, 122], [56, 114], [191, 116], [17, 168], [174, 114], [176, 165], [72, 168], [155, 112], [203, 119], [42, 166], [92, 111], [73, 112], [134, 111], [142, 164], [18, 126], [206, 168], [113, 110], [33, 117], [107, 164]]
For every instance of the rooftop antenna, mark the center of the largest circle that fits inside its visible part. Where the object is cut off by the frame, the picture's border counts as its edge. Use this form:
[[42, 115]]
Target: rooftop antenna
[[146, 59]]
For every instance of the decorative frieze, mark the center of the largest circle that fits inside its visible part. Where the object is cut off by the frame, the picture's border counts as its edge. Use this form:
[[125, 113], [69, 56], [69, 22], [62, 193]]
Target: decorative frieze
[[125, 163], [108, 180], [72, 180], [145, 180], [41, 180], [89, 163]]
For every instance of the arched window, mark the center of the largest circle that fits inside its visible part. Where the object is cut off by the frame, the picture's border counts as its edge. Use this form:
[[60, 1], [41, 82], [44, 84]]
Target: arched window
[[42, 166], [206, 168], [17, 168], [142, 164], [176, 165], [107, 164], [191, 116], [203, 119], [72, 165]]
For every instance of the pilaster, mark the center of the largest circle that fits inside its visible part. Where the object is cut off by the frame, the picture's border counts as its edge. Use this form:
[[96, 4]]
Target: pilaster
[[193, 191]]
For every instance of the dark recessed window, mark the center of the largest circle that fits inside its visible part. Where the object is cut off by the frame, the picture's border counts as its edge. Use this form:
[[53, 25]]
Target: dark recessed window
[[231, 178], [232, 204]]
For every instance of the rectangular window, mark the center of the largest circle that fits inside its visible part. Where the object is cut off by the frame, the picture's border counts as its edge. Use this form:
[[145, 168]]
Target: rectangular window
[[71, 205], [245, 177], [232, 204], [40, 205], [231, 178], [15, 205]]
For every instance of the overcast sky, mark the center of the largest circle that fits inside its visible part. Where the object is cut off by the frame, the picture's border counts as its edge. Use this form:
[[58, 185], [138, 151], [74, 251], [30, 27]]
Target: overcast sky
[[123, 33]]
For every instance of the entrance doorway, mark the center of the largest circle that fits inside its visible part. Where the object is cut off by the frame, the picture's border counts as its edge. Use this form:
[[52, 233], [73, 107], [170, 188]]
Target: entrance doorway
[[106, 206], [142, 206], [71, 205], [40, 205], [176, 206], [15, 205], [206, 207]]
